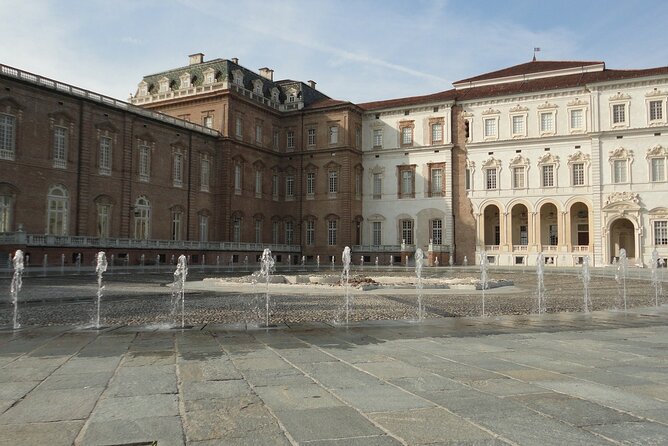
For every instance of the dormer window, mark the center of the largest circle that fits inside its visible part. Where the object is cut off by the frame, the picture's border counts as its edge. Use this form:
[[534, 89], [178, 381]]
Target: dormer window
[[143, 89], [238, 78], [209, 76], [257, 87], [185, 80], [292, 95], [275, 94], [164, 85]]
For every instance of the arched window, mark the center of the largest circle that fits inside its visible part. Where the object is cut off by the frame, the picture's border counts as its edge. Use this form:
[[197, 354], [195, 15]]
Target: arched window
[[57, 210], [5, 213], [142, 216]]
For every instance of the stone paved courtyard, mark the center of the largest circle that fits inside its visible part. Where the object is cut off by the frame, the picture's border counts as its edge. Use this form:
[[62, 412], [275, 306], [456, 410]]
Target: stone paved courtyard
[[563, 378]]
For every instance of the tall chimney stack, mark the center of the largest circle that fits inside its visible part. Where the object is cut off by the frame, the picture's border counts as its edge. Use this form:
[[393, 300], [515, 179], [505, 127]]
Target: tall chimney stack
[[311, 84], [196, 58], [267, 73], [235, 60]]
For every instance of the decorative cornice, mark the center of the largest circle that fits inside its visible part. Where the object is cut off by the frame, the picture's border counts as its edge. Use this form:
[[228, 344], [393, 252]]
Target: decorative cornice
[[491, 111], [491, 162], [518, 108], [656, 92], [621, 153], [548, 158], [657, 150], [519, 160], [578, 157], [577, 102]]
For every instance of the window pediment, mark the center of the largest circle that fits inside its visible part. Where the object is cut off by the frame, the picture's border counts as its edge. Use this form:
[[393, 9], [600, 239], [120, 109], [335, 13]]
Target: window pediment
[[259, 165], [332, 165], [548, 158], [621, 153], [490, 111], [491, 163], [577, 102], [519, 160], [620, 97], [376, 217], [377, 170], [656, 93], [547, 106], [518, 109], [107, 126], [578, 157], [657, 151], [310, 167]]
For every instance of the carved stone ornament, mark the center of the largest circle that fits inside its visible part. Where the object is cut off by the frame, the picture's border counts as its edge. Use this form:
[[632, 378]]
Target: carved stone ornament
[[657, 151], [491, 111], [470, 164], [620, 97], [617, 197], [518, 108], [578, 157], [519, 160], [491, 162], [545, 105], [655, 93], [577, 102], [467, 114], [621, 153], [548, 158]]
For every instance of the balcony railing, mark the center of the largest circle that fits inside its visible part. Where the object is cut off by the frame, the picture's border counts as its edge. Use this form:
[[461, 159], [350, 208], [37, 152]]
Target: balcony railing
[[20, 238], [380, 248], [491, 247], [580, 248], [520, 248], [550, 248]]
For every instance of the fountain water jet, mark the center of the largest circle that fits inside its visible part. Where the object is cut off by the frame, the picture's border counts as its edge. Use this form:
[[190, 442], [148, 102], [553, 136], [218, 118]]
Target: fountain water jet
[[656, 280], [466, 261], [484, 265], [15, 287], [345, 277], [100, 268], [62, 264], [317, 262], [451, 261], [178, 288], [586, 278], [45, 263], [78, 263], [620, 276], [376, 263], [157, 263], [267, 264], [111, 264], [419, 261], [540, 286]]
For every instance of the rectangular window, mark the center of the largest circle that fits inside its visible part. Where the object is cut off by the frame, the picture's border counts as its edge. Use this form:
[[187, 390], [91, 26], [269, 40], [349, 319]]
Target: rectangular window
[[274, 186], [436, 133], [548, 175], [103, 220], [239, 130], [547, 122], [518, 177], [331, 232], [208, 121], [655, 110], [258, 231], [236, 230], [406, 136], [407, 184], [310, 183], [274, 232], [333, 134], [177, 174], [578, 174], [289, 187], [60, 147], [237, 179], [467, 179], [289, 232], [661, 233], [276, 140], [258, 133], [378, 138], [144, 163], [658, 169], [437, 231], [518, 125], [577, 119], [105, 156], [619, 171], [310, 233], [358, 184], [377, 233], [619, 113], [310, 137], [203, 228], [524, 235], [176, 225], [436, 182], [258, 183], [7, 136], [490, 127], [204, 175], [290, 140], [377, 186], [490, 179], [358, 137], [407, 232], [333, 182]]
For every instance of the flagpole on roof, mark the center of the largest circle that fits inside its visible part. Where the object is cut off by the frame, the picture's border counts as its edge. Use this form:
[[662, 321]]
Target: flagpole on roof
[[535, 50]]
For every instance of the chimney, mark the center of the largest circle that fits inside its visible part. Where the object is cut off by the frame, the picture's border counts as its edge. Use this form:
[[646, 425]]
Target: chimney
[[267, 73], [196, 58], [235, 60], [311, 84]]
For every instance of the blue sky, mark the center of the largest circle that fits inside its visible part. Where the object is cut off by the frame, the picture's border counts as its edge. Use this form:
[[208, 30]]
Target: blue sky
[[355, 50]]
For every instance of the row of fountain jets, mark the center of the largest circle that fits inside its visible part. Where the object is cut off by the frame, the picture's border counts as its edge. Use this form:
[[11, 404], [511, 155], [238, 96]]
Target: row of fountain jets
[[267, 267]]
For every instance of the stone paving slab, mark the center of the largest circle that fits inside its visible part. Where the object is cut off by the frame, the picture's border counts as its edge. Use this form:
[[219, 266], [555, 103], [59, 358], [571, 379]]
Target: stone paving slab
[[526, 380]]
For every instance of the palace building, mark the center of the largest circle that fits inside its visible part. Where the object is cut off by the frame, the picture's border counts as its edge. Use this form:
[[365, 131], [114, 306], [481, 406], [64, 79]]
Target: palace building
[[218, 161]]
